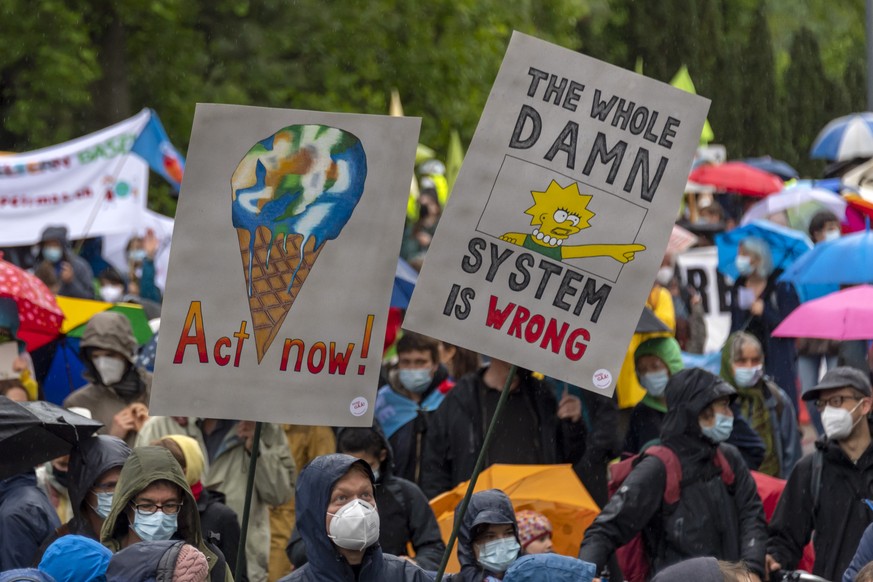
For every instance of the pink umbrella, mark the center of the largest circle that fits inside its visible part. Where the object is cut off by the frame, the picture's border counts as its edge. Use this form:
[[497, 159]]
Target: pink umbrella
[[844, 315]]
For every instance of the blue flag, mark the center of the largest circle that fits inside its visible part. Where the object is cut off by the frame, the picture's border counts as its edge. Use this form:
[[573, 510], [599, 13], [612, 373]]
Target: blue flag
[[154, 147]]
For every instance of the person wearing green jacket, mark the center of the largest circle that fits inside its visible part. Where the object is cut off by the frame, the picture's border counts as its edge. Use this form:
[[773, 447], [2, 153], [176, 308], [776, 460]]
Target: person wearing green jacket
[[226, 446], [152, 501]]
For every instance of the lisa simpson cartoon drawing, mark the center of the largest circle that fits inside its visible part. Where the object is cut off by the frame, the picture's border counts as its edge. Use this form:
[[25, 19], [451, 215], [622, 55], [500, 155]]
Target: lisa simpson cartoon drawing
[[558, 213]]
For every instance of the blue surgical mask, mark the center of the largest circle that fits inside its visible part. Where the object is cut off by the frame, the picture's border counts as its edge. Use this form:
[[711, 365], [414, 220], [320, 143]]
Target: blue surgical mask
[[53, 254], [721, 430], [136, 256], [497, 555], [104, 504], [746, 377], [155, 527], [655, 383], [744, 264], [415, 379]]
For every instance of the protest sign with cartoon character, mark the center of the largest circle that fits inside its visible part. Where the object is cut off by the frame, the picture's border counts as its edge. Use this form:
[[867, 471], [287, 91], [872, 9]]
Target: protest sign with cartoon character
[[560, 216]]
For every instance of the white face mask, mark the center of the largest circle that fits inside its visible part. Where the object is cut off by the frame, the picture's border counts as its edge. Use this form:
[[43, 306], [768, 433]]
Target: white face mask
[[111, 293], [837, 422], [497, 555], [355, 526], [832, 235], [111, 369]]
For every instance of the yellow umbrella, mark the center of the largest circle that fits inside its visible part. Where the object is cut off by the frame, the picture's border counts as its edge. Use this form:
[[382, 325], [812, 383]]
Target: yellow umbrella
[[79, 311], [553, 490]]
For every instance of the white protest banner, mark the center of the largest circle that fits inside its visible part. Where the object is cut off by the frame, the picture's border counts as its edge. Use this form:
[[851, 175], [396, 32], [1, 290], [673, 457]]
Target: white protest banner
[[560, 216], [284, 250], [698, 269], [92, 185]]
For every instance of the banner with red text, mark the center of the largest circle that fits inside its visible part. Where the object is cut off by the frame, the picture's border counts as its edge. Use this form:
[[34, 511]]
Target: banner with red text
[[560, 216], [284, 250], [93, 185]]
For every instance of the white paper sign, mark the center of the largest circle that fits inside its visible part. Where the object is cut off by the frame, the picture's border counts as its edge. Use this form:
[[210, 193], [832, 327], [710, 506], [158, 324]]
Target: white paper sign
[[558, 222], [698, 268], [284, 250]]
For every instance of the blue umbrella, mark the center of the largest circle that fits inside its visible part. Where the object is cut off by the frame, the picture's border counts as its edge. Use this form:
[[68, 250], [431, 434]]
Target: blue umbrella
[[65, 372], [786, 245], [778, 167], [847, 260], [845, 138], [405, 278]]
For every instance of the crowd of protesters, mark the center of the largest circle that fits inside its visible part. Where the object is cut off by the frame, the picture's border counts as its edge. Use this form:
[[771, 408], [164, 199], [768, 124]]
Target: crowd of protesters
[[674, 471]]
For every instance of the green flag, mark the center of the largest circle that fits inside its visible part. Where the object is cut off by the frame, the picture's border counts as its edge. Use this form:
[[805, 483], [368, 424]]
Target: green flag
[[682, 80]]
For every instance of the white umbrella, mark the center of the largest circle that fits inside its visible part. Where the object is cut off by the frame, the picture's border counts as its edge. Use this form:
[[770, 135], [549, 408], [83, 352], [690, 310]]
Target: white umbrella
[[793, 198]]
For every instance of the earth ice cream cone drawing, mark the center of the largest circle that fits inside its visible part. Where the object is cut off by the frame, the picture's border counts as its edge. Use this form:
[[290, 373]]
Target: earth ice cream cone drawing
[[292, 192]]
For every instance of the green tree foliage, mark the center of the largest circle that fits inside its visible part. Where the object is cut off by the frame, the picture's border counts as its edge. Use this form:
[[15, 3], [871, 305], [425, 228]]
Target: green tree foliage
[[760, 126], [81, 65]]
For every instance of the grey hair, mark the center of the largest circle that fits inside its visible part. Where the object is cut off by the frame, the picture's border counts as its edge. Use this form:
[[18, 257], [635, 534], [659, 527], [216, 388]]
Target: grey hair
[[741, 340], [759, 247]]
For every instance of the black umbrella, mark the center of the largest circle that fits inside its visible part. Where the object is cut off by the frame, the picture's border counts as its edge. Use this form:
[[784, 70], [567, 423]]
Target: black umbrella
[[34, 432], [649, 323]]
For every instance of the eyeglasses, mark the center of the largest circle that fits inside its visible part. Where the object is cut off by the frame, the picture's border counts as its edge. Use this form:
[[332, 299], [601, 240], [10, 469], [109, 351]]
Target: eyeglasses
[[835, 401], [104, 487], [151, 508]]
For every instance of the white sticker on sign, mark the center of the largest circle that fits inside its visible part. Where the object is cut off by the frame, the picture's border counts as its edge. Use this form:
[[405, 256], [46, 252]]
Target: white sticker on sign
[[359, 406], [602, 379]]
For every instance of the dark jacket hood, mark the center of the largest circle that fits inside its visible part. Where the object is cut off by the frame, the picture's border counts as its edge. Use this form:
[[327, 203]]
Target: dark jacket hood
[[313, 497], [696, 569], [10, 484], [491, 506], [76, 558], [143, 562], [688, 393], [57, 234], [145, 466], [88, 460]]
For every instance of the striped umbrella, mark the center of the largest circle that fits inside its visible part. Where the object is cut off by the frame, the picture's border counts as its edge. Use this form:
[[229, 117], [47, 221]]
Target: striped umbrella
[[845, 138]]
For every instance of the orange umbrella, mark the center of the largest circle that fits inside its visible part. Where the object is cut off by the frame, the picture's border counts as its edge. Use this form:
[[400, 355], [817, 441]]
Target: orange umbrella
[[553, 490]]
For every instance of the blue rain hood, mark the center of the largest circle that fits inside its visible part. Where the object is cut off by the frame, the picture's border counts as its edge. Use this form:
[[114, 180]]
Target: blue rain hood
[[550, 568], [76, 559]]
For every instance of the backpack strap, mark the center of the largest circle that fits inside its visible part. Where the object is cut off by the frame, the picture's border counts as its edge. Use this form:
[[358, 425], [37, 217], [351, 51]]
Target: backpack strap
[[727, 472], [673, 471], [167, 564]]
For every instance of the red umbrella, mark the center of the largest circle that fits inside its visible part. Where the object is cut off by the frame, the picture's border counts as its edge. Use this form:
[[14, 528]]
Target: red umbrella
[[38, 311], [737, 177], [770, 490]]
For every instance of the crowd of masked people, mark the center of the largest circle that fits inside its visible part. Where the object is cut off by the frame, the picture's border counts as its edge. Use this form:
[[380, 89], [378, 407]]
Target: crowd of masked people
[[675, 475]]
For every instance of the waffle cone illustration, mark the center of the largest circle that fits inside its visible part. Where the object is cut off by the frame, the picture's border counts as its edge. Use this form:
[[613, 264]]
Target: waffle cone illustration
[[273, 264], [292, 192]]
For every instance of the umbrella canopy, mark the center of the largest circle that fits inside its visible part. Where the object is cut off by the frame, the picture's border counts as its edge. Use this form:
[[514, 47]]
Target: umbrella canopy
[[800, 203], [649, 323], [737, 177], [35, 432], [771, 166], [844, 315], [38, 312], [845, 261], [553, 490], [79, 311], [845, 138], [405, 278], [786, 245]]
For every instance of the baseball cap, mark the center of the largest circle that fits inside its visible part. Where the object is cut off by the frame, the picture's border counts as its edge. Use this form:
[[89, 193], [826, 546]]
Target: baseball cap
[[841, 377]]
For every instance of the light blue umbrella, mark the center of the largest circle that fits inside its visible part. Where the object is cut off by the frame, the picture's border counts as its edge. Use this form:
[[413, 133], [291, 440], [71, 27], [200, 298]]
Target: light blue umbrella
[[786, 245], [847, 260], [845, 138]]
